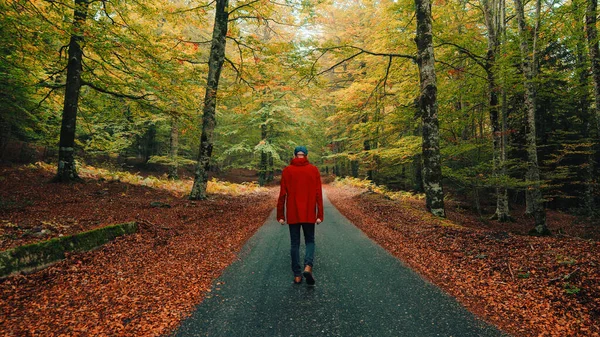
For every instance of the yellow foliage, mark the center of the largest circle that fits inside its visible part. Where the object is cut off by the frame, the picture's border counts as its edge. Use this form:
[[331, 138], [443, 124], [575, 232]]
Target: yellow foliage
[[177, 187], [372, 187]]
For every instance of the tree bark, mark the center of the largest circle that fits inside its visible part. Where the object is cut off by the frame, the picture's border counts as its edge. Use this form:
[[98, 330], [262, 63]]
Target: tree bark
[[432, 169], [174, 149], [264, 159], [528, 60], [271, 161], [592, 37], [215, 64], [67, 170], [492, 12], [594, 57]]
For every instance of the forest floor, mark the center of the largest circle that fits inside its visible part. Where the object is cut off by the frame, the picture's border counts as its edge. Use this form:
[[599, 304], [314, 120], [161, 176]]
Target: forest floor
[[527, 286], [144, 284], [138, 285]]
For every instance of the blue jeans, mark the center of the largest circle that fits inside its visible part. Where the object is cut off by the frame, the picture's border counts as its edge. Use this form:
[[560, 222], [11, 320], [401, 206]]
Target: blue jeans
[[309, 240]]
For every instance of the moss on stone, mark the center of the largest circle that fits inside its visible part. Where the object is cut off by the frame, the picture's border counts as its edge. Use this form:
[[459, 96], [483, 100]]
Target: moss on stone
[[37, 255]]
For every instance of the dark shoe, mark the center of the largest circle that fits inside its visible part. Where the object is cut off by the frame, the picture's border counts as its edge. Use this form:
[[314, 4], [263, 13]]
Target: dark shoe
[[310, 280], [297, 279]]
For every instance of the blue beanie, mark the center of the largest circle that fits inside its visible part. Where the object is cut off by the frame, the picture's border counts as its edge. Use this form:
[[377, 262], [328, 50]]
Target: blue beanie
[[300, 148]]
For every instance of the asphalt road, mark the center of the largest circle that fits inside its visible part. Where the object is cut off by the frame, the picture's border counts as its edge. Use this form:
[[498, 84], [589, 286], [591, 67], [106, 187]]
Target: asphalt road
[[361, 290]]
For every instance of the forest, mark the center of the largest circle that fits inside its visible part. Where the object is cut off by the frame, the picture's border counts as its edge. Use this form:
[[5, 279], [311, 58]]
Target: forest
[[142, 144], [489, 102]]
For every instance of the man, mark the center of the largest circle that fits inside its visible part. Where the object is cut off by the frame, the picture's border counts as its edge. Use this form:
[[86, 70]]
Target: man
[[303, 200]]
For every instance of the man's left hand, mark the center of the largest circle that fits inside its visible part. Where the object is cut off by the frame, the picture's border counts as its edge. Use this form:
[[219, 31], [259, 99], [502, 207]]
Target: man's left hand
[[318, 221]]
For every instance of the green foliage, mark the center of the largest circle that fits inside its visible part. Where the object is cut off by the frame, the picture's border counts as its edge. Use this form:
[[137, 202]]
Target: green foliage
[[310, 73], [571, 289]]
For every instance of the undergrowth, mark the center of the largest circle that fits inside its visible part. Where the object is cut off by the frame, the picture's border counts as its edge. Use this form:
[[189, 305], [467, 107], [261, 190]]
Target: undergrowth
[[178, 187], [372, 187]]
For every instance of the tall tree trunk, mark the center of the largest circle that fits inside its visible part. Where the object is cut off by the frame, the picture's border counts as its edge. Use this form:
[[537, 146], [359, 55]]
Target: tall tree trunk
[[174, 149], [594, 57], [66, 151], [592, 37], [528, 59], [492, 12], [432, 169], [215, 64]]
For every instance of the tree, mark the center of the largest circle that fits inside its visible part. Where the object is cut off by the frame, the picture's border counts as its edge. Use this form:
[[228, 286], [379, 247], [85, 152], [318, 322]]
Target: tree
[[215, 64], [592, 37], [67, 170], [528, 62], [432, 169], [494, 22]]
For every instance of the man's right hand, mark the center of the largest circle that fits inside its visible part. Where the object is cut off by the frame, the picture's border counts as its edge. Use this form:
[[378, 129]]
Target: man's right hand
[[281, 221]]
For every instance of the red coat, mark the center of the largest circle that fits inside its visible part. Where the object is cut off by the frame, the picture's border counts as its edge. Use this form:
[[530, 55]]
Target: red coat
[[300, 193]]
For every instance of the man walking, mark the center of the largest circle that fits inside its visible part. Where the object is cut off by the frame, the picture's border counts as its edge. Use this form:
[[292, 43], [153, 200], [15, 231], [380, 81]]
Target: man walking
[[302, 197]]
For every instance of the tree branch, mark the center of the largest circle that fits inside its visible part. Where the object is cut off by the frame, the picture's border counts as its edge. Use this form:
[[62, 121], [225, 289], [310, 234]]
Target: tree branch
[[478, 59], [194, 8], [239, 74], [459, 69], [244, 5], [115, 94]]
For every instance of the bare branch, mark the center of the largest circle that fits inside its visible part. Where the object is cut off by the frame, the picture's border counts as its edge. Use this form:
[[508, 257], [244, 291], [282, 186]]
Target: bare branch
[[190, 41], [387, 72], [52, 88], [194, 8], [239, 43], [340, 62], [115, 94], [244, 5], [189, 61], [412, 57], [239, 74], [106, 11], [478, 59], [263, 19]]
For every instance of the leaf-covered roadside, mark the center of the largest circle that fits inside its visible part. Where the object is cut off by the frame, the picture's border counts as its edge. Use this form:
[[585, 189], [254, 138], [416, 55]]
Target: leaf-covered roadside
[[139, 285], [528, 286]]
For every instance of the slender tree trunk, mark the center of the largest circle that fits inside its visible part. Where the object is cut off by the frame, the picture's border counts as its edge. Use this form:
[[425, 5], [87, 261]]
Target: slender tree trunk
[[366, 148], [528, 58], [270, 169], [264, 160], [67, 171], [354, 168], [492, 11], [215, 64], [174, 149], [271, 163], [432, 169]]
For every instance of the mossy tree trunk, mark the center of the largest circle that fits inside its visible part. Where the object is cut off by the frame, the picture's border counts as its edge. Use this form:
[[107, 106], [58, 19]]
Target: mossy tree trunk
[[528, 60], [594, 57], [432, 169], [592, 37], [67, 170], [215, 64]]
